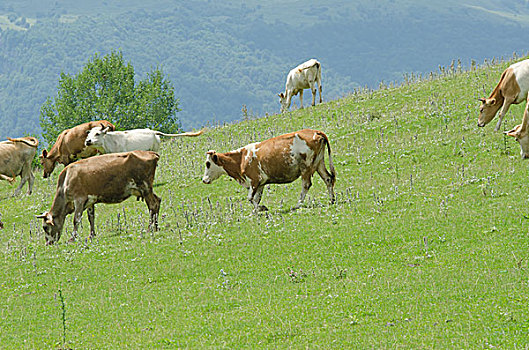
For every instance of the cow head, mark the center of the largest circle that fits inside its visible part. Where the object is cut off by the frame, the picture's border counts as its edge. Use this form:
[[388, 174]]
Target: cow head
[[47, 164], [96, 135], [487, 110], [522, 136], [51, 226], [213, 169], [283, 101]]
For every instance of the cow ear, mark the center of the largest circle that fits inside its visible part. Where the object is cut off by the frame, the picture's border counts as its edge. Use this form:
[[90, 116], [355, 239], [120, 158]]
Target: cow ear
[[105, 130], [44, 153], [482, 100], [215, 158], [491, 101]]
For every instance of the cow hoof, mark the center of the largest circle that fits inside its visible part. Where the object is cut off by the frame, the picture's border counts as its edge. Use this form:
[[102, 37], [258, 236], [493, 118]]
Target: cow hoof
[[262, 208], [71, 240]]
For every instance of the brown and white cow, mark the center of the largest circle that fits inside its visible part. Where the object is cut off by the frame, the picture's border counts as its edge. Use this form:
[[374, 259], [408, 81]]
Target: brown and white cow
[[16, 157], [512, 89], [70, 146], [304, 76], [281, 159], [109, 178]]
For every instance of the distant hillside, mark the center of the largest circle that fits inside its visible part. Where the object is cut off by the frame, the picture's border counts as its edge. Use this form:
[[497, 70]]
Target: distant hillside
[[222, 56]]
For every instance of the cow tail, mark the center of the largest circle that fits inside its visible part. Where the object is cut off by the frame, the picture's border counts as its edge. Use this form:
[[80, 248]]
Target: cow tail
[[331, 165], [186, 134], [30, 141]]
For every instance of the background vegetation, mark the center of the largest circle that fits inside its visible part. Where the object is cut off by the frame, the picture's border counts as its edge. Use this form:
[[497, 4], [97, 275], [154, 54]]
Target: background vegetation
[[106, 89], [426, 246], [223, 55]]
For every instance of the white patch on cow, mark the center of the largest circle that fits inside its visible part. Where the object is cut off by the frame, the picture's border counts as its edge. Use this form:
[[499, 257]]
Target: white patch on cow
[[263, 176], [521, 73], [299, 147], [213, 171], [251, 151]]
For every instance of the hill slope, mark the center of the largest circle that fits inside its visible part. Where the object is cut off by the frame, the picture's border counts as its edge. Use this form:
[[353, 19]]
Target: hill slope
[[426, 246], [223, 55]]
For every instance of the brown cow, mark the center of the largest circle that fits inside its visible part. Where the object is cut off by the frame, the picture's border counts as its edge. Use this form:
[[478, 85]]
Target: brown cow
[[70, 146], [109, 178], [281, 159], [16, 157], [512, 89]]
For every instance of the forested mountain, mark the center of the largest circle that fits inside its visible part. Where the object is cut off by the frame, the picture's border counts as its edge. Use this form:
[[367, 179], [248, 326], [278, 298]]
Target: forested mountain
[[223, 55]]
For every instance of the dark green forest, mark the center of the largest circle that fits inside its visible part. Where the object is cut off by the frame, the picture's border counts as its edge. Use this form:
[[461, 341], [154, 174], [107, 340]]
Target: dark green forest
[[226, 56]]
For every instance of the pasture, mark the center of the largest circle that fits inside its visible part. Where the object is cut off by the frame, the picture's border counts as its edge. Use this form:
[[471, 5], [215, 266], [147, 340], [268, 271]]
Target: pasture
[[426, 247]]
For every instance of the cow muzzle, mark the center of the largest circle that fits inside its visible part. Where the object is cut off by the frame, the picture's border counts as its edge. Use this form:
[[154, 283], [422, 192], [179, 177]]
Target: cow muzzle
[[206, 180]]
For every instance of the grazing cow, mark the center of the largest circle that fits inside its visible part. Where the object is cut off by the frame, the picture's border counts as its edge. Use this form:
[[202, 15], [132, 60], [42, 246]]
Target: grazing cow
[[70, 146], [512, 89], [281, 159], [304, 76], [109, 178], [108, 141], [521, 133], [16, 157]]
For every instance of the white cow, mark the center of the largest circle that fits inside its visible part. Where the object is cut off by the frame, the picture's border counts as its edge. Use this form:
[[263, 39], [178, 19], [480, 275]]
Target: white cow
[[130, 140], [304, 76]]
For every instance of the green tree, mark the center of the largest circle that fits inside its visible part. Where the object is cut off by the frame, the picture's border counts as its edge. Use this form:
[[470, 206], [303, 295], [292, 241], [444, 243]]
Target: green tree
[[105, 89]]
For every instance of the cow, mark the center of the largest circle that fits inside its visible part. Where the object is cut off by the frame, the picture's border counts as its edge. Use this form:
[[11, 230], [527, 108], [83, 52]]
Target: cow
[[521, 133], [70, 146], [16, 158], [278, 160], [512, 89], [109, 178], [304, 76], [107, 141]]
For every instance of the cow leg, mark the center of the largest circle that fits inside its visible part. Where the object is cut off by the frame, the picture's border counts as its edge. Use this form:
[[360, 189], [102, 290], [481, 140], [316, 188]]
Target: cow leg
[[306, 183], [319, 87], [254, 196], [23, 180], [328, 179], [313, 90], [153, 203], [91, 218], [504, 109], [77, 217], [301, 99], [31, 180]]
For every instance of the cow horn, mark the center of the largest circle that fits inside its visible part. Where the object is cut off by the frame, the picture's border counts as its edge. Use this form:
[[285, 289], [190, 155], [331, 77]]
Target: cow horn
[[41, 216], [482, 100]]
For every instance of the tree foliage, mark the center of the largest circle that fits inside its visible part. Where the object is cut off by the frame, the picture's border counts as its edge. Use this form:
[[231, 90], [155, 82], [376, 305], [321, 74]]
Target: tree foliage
[[106, 89]]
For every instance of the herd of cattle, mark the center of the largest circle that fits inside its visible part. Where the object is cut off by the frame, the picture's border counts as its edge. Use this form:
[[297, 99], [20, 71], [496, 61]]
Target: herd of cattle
[[103, 165]]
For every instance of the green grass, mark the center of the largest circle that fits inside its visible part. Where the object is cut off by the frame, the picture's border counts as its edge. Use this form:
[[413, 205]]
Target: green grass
[[426, 246]]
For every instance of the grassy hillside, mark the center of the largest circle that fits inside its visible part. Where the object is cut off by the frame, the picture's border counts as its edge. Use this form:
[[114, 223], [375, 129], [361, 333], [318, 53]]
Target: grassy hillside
[[426, 246]]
